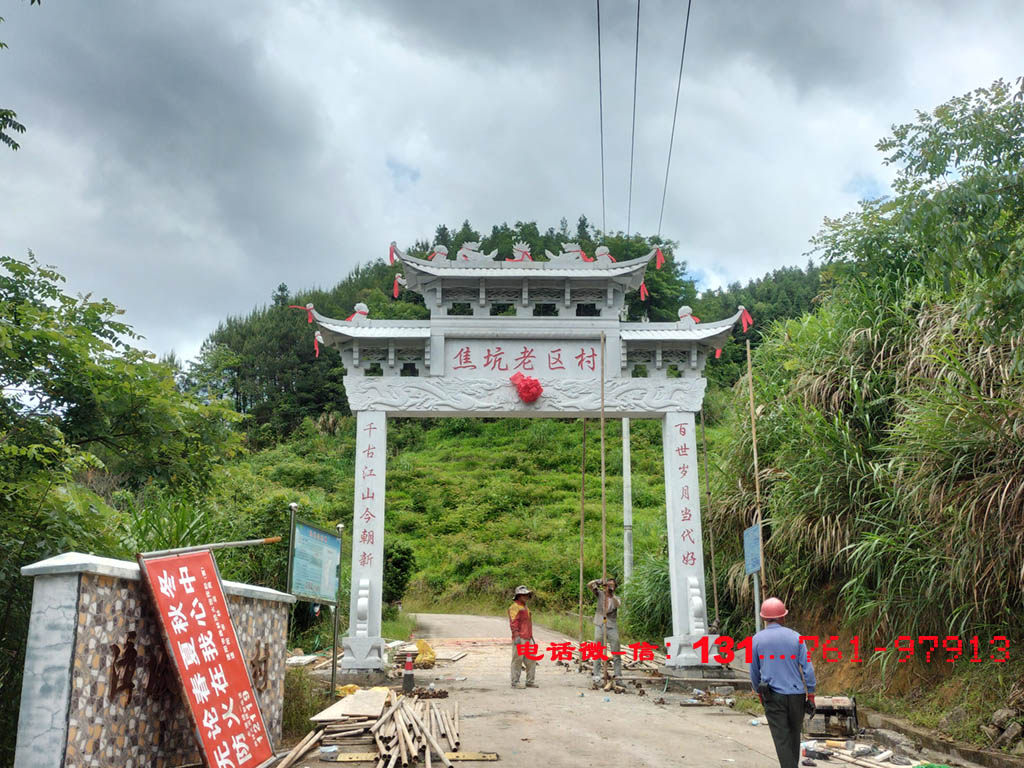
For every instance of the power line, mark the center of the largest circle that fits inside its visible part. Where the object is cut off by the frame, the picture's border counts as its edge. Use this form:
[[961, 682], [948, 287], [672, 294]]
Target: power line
[[679, 82], [632, 139], [600, 102]]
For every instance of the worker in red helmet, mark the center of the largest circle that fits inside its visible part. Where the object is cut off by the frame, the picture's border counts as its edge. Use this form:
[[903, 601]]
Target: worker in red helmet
[[783, 677]]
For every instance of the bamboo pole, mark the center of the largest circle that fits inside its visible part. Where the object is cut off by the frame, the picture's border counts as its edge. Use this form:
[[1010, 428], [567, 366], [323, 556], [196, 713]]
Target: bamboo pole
[[299, 749], [583, 491], [711, 530], [217, 545], [757, 473], [604, 526], [433, 743]]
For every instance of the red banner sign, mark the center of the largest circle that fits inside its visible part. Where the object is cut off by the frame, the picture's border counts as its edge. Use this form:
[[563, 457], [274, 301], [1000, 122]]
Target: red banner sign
[[209, 664]]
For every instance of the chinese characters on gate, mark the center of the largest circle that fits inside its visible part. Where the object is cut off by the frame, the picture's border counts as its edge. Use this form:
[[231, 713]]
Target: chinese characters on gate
[[366, 539], [557, 359], [682, 464], [202, 641]]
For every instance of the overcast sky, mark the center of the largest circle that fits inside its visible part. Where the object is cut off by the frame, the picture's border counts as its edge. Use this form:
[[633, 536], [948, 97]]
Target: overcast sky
[[184, 158]]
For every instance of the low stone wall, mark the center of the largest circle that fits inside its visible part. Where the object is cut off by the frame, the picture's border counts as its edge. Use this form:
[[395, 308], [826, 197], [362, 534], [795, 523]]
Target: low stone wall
[[99, 688]]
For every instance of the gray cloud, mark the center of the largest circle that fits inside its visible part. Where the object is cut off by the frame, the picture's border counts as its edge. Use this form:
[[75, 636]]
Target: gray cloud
[[184, 159]]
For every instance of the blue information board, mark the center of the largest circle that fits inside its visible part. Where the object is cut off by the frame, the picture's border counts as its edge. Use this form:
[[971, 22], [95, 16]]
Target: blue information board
[[751, 550], [315, 556]]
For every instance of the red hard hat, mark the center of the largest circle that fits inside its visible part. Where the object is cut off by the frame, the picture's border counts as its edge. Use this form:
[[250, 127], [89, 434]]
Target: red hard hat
[[773, 608]]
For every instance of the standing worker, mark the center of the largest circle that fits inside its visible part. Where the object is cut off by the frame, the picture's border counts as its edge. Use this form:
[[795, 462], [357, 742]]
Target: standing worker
[[606, 615], [522, 634], [783, 678]]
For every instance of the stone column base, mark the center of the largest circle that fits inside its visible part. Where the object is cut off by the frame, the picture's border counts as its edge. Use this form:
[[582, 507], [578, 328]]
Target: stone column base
[[681, 653], [363, 653]]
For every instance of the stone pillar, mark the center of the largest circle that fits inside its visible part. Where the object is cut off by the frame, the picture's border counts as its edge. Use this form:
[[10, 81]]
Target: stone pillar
[[46, 687], [685, 553], [364, 648]]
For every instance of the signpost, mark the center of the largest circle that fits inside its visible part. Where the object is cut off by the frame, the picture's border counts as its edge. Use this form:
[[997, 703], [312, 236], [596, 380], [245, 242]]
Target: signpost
[[752, 564], [313, 559], [314, 567], [209, 665]]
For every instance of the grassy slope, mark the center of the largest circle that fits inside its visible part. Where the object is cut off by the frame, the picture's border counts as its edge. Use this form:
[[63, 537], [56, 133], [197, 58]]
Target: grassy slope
[[487, 505]]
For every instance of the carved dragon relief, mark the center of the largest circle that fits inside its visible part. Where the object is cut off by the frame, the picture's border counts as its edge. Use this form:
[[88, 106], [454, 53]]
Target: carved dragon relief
[[442, 394]]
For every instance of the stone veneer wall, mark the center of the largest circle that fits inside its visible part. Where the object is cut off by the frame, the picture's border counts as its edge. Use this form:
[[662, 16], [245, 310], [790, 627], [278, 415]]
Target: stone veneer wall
[[123, 706]]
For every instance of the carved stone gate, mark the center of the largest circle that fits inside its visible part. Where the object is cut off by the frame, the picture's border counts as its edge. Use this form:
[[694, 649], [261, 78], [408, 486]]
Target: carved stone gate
[[461, 361]]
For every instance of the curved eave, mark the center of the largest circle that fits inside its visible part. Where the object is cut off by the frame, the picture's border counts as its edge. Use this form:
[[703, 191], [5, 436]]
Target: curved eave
[[712, 334], [380, 329]]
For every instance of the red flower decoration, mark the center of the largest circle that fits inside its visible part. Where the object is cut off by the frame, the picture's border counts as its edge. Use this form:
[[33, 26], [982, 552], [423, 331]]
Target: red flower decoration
[[529, 388]]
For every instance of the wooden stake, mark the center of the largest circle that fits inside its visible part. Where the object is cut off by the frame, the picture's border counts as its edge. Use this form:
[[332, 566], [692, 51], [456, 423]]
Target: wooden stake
[[451, 729], [402, 749], [583, 490], [433, 743], [299, 749], [711, 531], [757, 472], [604, 523]]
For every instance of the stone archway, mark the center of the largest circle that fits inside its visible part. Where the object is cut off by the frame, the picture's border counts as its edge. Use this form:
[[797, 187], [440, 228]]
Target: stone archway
[[463, 366]]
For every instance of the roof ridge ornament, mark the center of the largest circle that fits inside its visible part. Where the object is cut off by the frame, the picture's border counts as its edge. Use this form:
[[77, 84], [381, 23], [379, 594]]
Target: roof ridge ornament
[[359, 315], [523, 251], [471, 252]]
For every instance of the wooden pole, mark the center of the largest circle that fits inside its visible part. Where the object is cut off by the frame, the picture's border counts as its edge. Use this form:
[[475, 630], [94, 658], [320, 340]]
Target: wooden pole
[[627, 506], [757, 473], [711, 530], [583, 490], [216, 545], [604, 523]]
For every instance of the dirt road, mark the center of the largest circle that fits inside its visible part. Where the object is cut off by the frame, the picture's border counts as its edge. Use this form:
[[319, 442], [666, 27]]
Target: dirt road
[[554, 726]]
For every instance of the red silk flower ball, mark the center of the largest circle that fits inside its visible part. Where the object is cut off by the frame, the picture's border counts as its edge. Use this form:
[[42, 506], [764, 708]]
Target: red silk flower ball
[[529, 389]]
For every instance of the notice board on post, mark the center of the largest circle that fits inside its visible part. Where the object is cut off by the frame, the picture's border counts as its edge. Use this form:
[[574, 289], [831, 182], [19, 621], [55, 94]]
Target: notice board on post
[[314, 556], [752, 549], [209, 665]]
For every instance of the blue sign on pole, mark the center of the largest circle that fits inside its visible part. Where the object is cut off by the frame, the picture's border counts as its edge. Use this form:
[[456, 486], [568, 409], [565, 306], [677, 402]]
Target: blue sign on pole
[[751, 550], [315, 555]]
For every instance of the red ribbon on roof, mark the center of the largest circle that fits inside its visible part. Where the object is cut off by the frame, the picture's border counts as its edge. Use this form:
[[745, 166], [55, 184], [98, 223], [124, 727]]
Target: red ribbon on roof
[[391, 253], [308, 311], [746, 319], [394, 287], [524, 254], [718, 353], [316, 343], [644, 293], [582, 254], [357, 312], [659, 259]]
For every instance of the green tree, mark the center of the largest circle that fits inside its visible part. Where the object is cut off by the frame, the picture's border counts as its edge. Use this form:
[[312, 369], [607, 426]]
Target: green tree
[[889, 433], [82, 413]]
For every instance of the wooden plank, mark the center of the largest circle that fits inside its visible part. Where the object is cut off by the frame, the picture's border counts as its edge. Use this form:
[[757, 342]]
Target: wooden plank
[[369, 757], [472, 756], [368, 703]]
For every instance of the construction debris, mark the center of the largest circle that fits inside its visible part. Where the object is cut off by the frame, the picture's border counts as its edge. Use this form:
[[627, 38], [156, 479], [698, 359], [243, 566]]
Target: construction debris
[[377, 726], [429, 693]]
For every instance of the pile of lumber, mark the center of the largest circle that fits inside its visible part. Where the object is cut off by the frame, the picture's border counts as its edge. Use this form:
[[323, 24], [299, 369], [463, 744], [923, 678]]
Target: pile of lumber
[[411, 727], [379, 727]]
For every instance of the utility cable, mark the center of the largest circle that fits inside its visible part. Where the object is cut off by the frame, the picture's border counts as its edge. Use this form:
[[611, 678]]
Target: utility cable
[[679, 82], [600, 102], [632, 139]]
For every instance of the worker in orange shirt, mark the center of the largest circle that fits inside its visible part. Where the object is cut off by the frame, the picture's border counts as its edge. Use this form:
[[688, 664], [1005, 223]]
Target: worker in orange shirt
[[521, 625]]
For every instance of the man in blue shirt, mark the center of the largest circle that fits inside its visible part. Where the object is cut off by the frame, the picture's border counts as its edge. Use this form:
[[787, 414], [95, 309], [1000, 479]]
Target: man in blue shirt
[[781, 674]]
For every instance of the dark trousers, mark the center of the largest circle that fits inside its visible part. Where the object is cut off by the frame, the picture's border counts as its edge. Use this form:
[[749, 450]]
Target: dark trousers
[[785, 713]]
